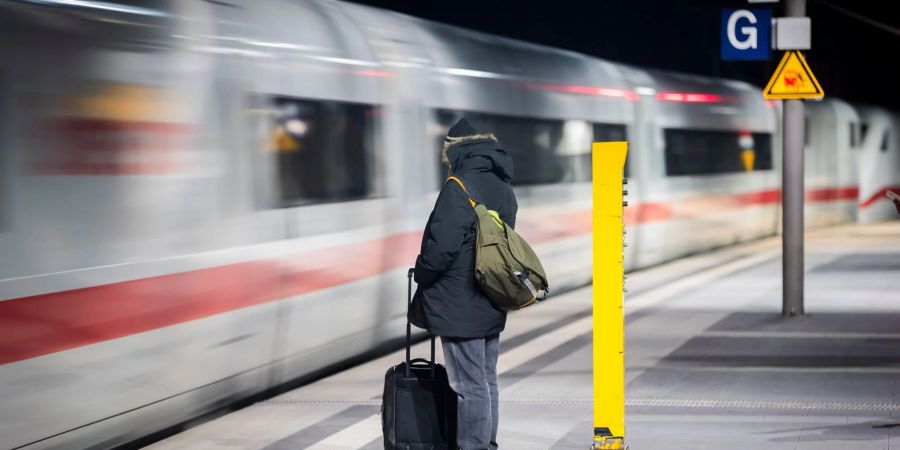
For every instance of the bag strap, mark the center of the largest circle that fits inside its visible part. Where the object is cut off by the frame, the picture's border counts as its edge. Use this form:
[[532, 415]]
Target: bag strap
[[494, 215], [458, 181]]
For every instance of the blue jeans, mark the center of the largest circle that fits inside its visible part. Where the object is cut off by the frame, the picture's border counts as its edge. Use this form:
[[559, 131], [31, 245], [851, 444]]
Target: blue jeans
[[472, 369]]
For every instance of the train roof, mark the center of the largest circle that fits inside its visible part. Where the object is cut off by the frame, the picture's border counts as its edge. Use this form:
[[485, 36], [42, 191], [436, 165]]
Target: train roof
[[451, 33]]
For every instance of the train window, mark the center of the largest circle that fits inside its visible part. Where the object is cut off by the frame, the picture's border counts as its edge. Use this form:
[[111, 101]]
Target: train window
[[604, 132], [762, 151], [323, 150], [573, 153], [706, 152], [543, 150], [531, 142], [884, 142], [609, 133], [578, 166], [853, 142], [863, 129]]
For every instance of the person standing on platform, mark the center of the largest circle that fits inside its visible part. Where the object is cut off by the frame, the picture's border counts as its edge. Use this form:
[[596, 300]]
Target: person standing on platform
[[448, 301]]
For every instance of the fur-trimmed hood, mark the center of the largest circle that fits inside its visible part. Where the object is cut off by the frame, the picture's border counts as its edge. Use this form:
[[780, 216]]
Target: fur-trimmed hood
[[451, 141], [477, 152]]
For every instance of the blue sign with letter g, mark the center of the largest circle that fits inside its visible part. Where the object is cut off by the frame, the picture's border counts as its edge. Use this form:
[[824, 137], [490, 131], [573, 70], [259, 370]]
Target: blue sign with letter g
[[745, 34]]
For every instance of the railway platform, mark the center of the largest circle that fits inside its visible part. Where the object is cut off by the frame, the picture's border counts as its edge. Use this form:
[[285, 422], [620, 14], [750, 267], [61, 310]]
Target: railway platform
[[710, 362]]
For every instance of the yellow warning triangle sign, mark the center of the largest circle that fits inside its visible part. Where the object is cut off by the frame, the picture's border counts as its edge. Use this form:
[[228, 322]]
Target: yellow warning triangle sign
[[793, 79]]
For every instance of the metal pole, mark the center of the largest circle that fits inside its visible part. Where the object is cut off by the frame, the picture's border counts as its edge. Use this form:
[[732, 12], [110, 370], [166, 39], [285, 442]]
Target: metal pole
[[608, 162], [792, 195]]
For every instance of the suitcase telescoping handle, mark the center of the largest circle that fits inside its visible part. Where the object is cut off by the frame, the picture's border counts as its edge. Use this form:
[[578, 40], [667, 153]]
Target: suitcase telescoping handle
[[409, 276]]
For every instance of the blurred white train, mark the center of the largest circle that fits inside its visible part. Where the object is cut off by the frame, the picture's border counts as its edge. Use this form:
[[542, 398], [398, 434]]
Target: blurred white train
[[202, 200]]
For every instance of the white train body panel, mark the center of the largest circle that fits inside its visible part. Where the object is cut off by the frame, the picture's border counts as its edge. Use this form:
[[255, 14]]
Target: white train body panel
[[204, 202], [879, 163], [831, 163]]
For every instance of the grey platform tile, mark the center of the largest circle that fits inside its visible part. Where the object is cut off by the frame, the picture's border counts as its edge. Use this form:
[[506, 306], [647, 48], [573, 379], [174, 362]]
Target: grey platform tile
[[545, 360], [822, 353], [845, 322], [666, 444], [856, 388], [744, 444], [324, 428], [703, 432], [578, 437], [646, 284], [754, 432], [249, 428], [848, 369], [567, 378], [843, 446], [515, 341], [863, 262], [530, 427], [376, 444], [869, 434]]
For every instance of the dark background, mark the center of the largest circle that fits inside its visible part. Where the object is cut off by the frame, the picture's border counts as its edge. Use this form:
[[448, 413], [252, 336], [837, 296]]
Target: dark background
[[852, 60]]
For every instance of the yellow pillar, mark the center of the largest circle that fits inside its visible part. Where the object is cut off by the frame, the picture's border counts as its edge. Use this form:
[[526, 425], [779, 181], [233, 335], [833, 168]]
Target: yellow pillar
[[608, 163]]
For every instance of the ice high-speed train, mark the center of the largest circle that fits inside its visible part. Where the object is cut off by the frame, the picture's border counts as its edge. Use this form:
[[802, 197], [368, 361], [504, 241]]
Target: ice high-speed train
[[200, 200]]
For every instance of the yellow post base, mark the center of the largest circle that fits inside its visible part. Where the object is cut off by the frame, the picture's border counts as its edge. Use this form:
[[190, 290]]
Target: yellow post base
[[609, 443]]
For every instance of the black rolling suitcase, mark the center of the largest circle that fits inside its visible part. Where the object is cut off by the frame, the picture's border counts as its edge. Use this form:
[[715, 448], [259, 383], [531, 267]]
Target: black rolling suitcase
[[418, 409]]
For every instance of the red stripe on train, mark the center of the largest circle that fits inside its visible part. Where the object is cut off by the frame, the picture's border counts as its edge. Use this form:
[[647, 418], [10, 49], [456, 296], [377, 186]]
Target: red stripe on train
[[48, 323], [831, 194], [881, 194]]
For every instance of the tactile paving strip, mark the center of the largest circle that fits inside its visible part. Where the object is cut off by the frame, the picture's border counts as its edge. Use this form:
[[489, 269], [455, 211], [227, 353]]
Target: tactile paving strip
[[759, 404], [650, 402]]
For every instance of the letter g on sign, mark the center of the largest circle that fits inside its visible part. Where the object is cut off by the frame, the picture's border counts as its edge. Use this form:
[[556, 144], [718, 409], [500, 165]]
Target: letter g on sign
[[745, 34], [749, 33]]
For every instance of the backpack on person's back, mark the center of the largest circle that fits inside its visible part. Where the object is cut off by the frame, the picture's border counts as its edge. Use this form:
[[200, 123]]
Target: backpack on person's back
[[506, 267]]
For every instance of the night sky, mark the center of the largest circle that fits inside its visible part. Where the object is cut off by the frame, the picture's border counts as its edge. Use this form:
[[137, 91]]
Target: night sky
[[851, 59]]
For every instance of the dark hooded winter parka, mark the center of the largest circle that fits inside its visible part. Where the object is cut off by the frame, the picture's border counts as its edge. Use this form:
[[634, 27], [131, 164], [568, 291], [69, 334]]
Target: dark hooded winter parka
[[448, 301]]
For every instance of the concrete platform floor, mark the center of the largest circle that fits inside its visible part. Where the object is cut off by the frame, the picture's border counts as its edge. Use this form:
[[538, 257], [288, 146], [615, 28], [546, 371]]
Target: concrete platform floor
[[710, 363]]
